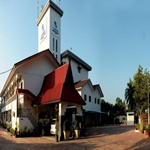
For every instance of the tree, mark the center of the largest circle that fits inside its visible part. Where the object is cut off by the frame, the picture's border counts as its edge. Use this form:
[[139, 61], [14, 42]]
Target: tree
[[140, 80], [136, 93], [112, 111], [107, 108], [129, 96], [120, 107]]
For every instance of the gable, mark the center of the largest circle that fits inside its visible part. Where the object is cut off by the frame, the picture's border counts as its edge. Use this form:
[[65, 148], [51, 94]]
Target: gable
[[26, 65], [58, 86], [44, 54], [98, 88], [87, 86], [84, 83], [71, 55]]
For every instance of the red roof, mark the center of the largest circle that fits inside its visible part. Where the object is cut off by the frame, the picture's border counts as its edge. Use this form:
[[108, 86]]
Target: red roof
[[81, 83], [59, 86], [25, 91]]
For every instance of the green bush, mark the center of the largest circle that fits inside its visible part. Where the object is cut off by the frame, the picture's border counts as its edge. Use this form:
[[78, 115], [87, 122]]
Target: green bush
[[25, 129], [8, 125], [66, 125], [12, 131], [76, 125], [148, 128], [137, 126]]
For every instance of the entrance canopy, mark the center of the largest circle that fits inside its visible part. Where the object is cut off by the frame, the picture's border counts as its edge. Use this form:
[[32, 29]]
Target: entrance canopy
[[59, 86]]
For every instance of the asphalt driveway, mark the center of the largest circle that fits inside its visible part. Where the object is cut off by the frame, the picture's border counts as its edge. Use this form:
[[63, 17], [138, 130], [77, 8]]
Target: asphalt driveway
[[100, 138]]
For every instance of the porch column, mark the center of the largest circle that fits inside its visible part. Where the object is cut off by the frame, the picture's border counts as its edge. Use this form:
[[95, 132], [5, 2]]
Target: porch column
[[62, 110], [79, 110], [59, 122]]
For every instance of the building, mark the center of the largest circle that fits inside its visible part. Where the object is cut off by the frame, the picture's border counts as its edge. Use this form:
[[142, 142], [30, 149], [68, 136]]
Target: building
[[34, 90], [49, 84], [27, 75], [50, 20], [89, 92]]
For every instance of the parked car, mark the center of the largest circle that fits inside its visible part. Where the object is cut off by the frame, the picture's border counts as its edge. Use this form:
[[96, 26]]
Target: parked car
[[53, 127]]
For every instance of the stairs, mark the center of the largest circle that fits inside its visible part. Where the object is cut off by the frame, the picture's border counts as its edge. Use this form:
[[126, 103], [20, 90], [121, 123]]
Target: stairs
[[27, 113]]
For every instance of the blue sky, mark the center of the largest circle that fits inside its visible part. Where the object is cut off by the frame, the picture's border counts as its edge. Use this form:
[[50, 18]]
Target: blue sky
[[111, 36]]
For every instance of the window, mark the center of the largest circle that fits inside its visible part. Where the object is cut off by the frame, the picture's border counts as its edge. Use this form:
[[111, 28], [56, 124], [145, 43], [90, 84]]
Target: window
[[53, 44], [95, 100], [89, 98], [56, 45], [85, 97], [79, 68], [21, 85]]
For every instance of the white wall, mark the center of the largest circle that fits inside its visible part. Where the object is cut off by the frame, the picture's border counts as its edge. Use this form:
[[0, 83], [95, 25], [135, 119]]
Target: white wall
[[10, 106], [91, 106], [14, 110], [13, 107], [43, 35], [55, 32], [34, 73], [96, 95], [76, 75], [130, 118], [25, 122]]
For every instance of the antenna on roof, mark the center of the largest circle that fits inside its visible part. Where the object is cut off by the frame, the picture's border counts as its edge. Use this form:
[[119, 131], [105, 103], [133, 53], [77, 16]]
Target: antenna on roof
[[59, 3], [37, 8], [69, 57], [42, 7]]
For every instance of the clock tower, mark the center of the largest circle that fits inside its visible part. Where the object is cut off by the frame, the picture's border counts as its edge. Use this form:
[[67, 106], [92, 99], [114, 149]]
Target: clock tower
[[49, 29]]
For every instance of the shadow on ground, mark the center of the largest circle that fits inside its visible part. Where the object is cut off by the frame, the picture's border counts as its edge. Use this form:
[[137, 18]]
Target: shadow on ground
[[108, 130], [11, 143], [143, 144]]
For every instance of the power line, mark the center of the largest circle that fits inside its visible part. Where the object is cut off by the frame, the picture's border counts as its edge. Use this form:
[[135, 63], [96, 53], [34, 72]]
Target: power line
[[5, 71]]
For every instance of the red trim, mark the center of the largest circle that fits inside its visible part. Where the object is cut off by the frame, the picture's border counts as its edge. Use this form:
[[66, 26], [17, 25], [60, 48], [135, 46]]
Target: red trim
[[25, 91]]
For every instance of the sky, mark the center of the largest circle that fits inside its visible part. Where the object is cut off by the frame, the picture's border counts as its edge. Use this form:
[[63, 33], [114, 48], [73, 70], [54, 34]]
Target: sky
[[112, 36]]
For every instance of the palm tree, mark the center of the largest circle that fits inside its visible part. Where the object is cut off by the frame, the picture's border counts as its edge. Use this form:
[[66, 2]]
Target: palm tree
[[129, 96]]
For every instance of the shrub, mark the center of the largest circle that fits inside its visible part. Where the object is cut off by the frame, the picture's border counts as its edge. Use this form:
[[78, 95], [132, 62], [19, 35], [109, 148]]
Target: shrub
[[25, 129], [148, 128], [8, 126], [66, 125], [76, 125], [137, 126], [12, 131]]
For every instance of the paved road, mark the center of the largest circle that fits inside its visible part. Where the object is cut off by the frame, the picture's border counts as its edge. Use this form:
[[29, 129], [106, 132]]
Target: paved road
[[100, 138]]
